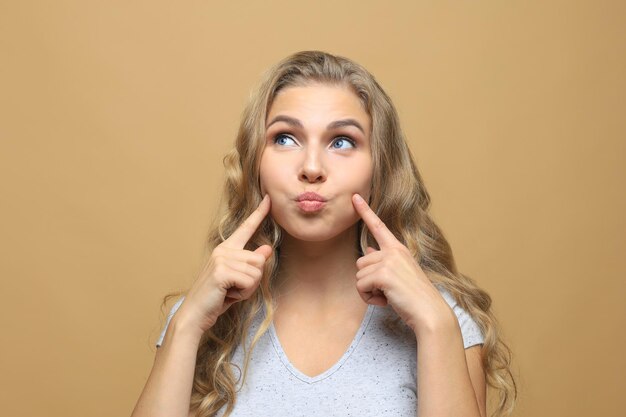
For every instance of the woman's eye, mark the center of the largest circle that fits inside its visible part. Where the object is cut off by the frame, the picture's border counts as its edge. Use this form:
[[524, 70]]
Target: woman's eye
[[282, 139], [343, 142]]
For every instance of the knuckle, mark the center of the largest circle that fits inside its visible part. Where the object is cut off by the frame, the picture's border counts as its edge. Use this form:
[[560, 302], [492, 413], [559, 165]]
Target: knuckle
[[258, 259], [397, 253], [249, 282], [402, 249], [220, 269], [256, 273], [246, 224], [378, 224], [220, 262]]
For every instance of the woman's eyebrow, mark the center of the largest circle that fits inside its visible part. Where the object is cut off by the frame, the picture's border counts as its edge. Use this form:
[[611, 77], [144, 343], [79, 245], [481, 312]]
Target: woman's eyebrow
[[345, 122], [287, 119], [333, 125]]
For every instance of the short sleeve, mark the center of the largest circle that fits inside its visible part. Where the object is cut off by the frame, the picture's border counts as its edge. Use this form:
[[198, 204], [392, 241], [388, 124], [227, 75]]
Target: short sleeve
[[169, 318], [470, 331]]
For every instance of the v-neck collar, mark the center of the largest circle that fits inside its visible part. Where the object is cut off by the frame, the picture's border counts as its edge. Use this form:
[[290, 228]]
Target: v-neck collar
[[312, 379]]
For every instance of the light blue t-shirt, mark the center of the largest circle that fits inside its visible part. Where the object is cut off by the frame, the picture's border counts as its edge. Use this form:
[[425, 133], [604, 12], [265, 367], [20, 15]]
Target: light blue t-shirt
[[376, 376]]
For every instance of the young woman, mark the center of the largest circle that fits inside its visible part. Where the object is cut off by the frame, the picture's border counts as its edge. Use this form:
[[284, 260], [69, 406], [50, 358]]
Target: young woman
[[329, 290]]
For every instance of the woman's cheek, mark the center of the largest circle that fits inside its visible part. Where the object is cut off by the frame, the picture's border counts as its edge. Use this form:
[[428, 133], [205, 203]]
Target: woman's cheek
[[277, 211], [364, 190], [266, 187]]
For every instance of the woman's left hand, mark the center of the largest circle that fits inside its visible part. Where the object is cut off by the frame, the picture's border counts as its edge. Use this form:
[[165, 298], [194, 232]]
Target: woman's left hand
[[391, 275]]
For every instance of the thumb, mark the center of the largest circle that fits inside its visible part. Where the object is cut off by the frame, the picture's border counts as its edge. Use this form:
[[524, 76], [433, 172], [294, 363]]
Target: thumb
[[265, 250], [369, 250]]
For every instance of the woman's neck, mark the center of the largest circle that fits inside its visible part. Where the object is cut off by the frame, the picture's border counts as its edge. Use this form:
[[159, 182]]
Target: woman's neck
[[319, 274]]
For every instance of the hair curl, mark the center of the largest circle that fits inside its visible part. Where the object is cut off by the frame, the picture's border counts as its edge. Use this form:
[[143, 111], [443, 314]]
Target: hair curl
[[398, 197]]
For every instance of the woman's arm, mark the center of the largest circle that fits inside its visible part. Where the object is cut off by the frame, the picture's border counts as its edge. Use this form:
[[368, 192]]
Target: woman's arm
[[473, 357], [168, 390], [450, 379], [231, 274], [391, 275]]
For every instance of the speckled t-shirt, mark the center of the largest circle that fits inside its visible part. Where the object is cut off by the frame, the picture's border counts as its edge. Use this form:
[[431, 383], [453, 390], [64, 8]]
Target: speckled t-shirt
[[376, 376]]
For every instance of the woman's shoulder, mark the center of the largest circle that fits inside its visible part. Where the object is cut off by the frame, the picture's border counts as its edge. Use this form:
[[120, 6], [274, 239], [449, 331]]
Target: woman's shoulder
[[173, 310], [470, 329], [445, 293]]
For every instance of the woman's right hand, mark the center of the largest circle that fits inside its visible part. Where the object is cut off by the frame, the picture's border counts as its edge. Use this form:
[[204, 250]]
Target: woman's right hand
[[231, 274]]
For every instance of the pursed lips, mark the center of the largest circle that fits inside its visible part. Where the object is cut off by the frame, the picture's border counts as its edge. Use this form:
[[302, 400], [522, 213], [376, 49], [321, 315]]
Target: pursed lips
[[310, 196], [310, 202]]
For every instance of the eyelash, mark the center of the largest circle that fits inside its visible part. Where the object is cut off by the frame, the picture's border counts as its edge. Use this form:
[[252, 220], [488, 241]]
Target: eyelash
[[350, 140]]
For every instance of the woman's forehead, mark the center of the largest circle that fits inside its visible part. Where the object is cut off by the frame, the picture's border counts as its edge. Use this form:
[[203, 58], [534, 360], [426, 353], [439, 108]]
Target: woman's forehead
[[319, 101]]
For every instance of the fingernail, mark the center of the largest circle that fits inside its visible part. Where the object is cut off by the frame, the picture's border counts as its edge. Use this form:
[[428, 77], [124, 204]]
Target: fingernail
[[359, 199]]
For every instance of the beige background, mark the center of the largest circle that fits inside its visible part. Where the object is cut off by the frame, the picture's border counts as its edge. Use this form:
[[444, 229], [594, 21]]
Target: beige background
[[114, 117]]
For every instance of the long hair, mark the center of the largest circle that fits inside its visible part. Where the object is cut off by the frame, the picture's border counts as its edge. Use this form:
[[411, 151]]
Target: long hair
[[398, 197]]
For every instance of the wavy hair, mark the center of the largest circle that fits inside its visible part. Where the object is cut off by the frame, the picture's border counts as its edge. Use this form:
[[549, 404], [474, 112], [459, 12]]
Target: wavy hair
[[398, 197]]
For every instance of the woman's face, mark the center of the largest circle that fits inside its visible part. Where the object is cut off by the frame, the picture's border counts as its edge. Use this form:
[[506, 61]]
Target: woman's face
[[317, 141]]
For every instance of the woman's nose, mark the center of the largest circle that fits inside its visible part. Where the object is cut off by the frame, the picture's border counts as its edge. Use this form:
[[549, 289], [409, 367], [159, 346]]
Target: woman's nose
[[313, 168]]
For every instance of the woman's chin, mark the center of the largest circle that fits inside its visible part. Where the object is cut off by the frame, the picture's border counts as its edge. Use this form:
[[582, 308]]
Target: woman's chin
[[315, 227], [311, 237], [316, 234]]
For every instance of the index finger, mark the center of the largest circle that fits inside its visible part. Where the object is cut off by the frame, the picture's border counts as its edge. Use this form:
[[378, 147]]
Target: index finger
[[246, 230], [379, 230]]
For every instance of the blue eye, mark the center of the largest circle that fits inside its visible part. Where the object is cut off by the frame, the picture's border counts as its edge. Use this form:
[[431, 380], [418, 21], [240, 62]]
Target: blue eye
[[342, 140], [281, 138]]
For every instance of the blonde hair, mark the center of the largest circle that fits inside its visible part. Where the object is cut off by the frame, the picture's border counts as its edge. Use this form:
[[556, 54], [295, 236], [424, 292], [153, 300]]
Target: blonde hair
[[398, 197]]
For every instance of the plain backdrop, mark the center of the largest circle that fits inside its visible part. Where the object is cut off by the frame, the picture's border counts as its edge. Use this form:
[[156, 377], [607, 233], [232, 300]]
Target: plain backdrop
[[115, 116]]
